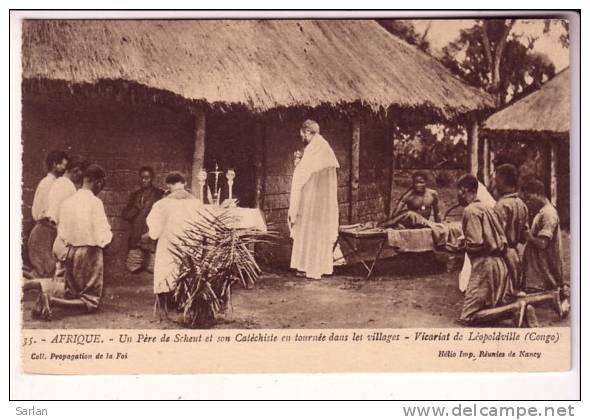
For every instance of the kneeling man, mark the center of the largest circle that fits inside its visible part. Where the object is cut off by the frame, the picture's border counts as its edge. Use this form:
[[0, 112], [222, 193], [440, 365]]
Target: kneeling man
[[543, 259], [85, 230], [490, 284], [514, 216], [167, 222]]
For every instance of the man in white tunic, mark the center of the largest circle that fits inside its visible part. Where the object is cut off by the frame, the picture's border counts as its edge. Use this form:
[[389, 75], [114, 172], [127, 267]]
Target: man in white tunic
[[63, 187], [56, 163], [85, 231], [167, 221], [40, 242], [313, 205]]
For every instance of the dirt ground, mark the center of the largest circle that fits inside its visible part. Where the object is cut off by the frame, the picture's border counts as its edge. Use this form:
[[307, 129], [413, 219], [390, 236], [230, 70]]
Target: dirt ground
[[406, 291]]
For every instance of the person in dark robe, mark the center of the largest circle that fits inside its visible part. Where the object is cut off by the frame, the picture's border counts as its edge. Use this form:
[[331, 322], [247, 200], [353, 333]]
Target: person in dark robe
[[141, 249], [490, 284], [514, 216], [41, 238], [416, 206], [543, 255]]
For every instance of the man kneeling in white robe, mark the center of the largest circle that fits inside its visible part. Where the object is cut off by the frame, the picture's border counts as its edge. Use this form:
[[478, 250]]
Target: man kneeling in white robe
[[167, 222], [313, 206]]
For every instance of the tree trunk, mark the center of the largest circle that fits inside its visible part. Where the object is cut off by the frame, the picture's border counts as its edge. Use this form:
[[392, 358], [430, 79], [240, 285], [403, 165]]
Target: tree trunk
[[494, 58], [499, 51]]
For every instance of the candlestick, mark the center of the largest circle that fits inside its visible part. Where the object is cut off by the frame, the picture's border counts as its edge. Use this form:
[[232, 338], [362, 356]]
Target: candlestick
[[230, 175], [216, 172]]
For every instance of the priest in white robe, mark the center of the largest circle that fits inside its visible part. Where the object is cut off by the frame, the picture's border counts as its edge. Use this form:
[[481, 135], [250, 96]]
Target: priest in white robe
[[167, 221], [313, 205]]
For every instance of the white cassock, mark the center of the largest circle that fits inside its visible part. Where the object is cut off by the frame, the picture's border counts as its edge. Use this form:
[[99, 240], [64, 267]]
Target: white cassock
[[167, 221], [313, 207], [485, 197]]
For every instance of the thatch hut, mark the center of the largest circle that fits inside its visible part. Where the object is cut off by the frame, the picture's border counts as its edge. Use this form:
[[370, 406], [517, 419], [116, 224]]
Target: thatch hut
[[186, 94], [541, 118]]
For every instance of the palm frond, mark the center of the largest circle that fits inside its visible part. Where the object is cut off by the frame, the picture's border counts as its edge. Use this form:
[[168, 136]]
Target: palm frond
[[212, 256]]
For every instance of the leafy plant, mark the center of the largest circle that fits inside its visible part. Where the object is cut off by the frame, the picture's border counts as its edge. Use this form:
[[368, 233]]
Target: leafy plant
[[213, 256], [496, 57]]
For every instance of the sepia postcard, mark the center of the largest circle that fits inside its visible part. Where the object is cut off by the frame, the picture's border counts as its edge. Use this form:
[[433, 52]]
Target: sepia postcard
[[251, 195]]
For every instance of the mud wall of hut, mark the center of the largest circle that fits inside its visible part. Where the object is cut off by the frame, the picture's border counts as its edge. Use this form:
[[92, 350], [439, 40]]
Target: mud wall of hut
[[375, 160], [119, 137]]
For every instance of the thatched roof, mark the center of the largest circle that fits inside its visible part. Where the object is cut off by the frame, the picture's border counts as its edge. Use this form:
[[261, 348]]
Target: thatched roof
[[547, 109], [259, 64]]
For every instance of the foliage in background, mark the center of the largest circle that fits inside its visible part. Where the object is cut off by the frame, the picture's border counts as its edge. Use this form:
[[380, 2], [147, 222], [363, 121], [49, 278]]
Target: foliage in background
[[529, 157], [492, 56], [432, 146], [213, 256], [564, 25]]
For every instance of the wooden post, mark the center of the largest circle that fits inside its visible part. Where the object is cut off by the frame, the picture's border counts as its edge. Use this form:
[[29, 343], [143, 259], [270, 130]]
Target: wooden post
[[486, 160], [391, 204], [260, 164], [354, 168], [472, 146], [199, 151], [553, 170], [492, 158]]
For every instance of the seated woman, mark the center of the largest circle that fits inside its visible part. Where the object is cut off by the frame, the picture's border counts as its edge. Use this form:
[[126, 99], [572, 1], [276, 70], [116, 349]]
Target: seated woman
[[415, 207]]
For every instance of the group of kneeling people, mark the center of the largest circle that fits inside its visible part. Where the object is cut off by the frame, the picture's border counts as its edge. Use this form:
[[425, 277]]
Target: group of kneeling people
[[66, 244], [500, 273], [493, 232], [65, 247]]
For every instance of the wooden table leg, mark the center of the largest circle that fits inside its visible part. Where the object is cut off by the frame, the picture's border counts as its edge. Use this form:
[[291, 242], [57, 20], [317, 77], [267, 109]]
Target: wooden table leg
[[381, 246], [357, 250]]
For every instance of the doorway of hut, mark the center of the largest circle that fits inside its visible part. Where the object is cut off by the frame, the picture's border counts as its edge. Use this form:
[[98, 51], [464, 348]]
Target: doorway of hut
[[229, 144]]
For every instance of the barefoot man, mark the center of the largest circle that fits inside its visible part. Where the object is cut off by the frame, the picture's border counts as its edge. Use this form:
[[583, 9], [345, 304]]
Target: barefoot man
[[40, 243], [490, 284], [313, 205], [514, 216], [543, 254], [85, 231]]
